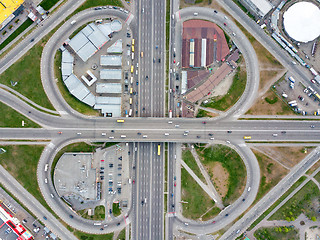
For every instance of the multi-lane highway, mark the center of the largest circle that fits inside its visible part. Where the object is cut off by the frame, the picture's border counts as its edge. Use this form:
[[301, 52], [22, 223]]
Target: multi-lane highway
[[146, 214]]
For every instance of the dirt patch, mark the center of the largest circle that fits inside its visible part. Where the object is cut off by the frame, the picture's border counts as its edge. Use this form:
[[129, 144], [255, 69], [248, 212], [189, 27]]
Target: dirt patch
[[219, 177], [271, 173], [262, 107], [268, 77], [287, 156]]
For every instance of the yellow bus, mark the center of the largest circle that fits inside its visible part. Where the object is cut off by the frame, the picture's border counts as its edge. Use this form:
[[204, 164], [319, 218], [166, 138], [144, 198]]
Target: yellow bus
[[132, 41], [132, 48], [159, 149], [120, 121], [132, 69], [130, 101], [131, 90], [247, 137]]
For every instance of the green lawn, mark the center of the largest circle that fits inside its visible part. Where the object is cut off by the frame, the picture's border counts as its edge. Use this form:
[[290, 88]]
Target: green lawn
[[26, 71], [231, 161], [16, 33], [122, 235], [86, 236], [293, 187], [21, 162], [47, 4], [99, 213], [277, 233], [70, 99], [202, 113], [304, 201], [95, 3], [236, 90], [11, 118], [188, 158], [198, 202], [116, 211], [317, 177]]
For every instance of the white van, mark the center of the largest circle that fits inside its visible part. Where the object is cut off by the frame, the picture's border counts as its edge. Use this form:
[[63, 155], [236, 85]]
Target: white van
[[166, 134], [73, 22]]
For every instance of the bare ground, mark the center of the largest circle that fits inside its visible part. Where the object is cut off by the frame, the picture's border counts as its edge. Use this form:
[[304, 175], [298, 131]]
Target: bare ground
[[288, 156], [261, 107], [219, 177]]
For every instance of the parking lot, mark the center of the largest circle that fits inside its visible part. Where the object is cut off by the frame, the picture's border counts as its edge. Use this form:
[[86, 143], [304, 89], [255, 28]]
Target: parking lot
[[302, 98]]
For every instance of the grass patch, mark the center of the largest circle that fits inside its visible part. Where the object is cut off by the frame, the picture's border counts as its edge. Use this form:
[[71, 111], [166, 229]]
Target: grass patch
[[116, 209], [11, 118], [122, 235], [47, 4], [293, 187], [271, 174], [16, 33], [70, 99], [86, 236], [306, 201], [26, 71], [244, 9], [271, 100], [223, 103], [231, 161], [211, 214], [188, 158], [21, 162], [277, 233], [99, 213], [317, 177], [202, 113], [198, 202], [95, 3]]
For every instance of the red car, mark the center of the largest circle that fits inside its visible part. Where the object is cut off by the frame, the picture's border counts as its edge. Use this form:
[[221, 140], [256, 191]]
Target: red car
[[60, 132], [214, 222], [174, 61], [175, 184], [225, 24], [102, 160], [313, 81], [133, 181], [204, 122]]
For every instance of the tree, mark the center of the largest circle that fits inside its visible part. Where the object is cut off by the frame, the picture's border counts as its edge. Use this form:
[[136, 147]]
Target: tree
[[313, 218]]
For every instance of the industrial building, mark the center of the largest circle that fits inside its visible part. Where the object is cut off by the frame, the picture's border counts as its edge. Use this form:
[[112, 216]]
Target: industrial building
[[108, 88], [111, 60], [258, 8], [301, 21], [116, 47], [79, 90], [8, 10], [74, 178], [203, 43], [111, 74], [110, 106]]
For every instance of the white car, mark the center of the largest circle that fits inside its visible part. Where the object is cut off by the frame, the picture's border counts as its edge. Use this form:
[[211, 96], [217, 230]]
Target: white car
[[145, 136], [111, 137]]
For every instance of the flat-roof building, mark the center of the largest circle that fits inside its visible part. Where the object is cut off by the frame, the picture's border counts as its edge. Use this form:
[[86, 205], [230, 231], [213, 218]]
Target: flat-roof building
[[111, 74], [108, 88], [111, 60], [7, 9]]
